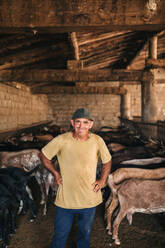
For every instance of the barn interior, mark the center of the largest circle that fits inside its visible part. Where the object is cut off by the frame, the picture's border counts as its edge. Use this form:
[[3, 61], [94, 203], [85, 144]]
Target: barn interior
[[105, 55]]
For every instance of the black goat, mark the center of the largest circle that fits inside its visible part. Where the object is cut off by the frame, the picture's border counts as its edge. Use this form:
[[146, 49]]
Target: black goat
[[13, 183], [9, 206], [22, 178]]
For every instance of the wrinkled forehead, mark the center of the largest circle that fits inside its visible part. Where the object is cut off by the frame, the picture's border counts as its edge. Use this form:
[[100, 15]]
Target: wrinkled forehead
[[82, 120]]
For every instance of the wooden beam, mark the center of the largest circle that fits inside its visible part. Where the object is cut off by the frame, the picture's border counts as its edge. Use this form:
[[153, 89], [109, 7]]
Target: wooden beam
[[156, 62], [50, 75], [50, 13], [91, 37], [75, 45], [84, 28], [97, 55], [150, 9], [79, 90]]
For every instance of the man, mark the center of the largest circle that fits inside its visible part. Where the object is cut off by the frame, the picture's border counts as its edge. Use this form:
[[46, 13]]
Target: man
[[79, 192]]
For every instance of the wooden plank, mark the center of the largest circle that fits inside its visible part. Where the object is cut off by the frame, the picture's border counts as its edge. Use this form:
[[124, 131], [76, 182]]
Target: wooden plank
[[50, 75], [84, 28], [80, 90], [50, 13], [156, 62], [5, 134]]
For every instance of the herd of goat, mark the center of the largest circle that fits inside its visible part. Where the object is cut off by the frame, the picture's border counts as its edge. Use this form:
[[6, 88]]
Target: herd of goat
[[137, 172]]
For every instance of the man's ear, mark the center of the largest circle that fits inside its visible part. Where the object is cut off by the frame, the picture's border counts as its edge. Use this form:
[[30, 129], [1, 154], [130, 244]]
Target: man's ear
[[91, 124], [72, 122]]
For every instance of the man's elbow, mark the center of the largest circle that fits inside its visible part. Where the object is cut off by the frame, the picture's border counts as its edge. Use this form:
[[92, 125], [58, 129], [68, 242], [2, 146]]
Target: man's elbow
[[41, 155]]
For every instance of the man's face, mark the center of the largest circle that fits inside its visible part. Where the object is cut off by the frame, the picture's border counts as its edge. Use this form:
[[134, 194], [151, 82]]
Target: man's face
[[81, 126]]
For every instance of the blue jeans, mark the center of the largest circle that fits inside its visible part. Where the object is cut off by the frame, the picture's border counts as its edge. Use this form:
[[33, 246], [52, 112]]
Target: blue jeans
[[63, 223]]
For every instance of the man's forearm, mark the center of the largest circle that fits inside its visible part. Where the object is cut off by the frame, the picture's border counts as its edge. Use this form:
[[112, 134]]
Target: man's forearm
[[101, 183], [48, 164], [106, 168]]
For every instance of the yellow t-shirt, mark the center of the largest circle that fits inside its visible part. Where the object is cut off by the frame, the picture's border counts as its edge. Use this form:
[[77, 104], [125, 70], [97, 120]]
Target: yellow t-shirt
[[78, 164]]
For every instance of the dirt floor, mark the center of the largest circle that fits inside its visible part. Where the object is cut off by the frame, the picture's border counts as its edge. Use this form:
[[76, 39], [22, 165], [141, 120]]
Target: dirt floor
[[147, 231]]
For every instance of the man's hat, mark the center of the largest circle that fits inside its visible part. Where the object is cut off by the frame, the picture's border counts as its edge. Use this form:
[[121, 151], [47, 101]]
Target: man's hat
[[82, 113]]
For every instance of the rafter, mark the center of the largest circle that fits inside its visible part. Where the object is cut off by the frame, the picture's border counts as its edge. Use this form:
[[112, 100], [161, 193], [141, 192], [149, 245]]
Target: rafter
[[19, 41], [144, 47], [31, 56]]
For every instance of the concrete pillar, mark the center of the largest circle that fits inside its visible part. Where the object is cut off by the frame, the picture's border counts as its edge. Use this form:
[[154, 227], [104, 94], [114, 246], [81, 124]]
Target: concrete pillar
[[149, 92], [150, 108], [149, 101], [126, 106], [149, 96]]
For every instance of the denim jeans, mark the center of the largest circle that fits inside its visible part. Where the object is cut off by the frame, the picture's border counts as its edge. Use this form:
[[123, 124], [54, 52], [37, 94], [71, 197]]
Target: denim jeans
[[63, 223]]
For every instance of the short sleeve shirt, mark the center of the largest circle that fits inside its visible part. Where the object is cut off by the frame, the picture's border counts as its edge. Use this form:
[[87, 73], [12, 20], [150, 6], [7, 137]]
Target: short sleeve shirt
[[78, 164]]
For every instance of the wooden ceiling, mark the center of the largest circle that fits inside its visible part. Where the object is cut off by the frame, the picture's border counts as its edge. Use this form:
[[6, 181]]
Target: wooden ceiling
[[39, 54]]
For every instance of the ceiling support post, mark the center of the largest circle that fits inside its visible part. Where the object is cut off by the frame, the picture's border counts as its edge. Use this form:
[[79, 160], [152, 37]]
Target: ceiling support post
[[149, 91]]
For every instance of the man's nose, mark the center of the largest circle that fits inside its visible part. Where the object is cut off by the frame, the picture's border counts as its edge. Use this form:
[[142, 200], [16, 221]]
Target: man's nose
[[81, 124]]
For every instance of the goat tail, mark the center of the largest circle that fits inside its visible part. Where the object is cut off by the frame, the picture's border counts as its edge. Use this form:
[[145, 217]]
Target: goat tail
[[111, 183], [113, 187]]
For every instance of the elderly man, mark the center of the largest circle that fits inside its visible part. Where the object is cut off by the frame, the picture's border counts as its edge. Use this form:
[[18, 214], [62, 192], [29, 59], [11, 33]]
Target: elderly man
[[79, 192]]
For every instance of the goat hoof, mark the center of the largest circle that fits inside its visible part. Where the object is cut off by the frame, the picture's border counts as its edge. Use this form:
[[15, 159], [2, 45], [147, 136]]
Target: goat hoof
[[109, 232], [32, 219], [117, 241]]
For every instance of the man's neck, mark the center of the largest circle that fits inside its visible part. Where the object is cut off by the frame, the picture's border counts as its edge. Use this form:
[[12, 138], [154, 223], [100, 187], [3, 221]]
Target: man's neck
[[81, 138]]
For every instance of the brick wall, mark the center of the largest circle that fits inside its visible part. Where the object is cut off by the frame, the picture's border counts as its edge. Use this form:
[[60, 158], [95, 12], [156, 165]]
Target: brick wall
[[104, 108], [135, 91], [18, 107]]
